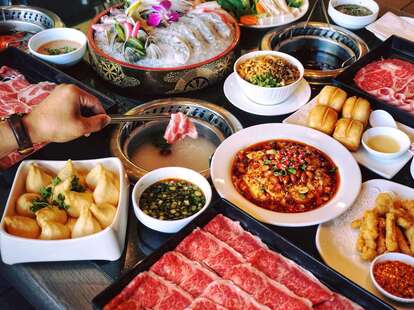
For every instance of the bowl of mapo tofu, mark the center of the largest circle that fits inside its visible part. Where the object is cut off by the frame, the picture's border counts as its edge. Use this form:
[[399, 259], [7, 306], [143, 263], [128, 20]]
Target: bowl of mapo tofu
[[65, 210]]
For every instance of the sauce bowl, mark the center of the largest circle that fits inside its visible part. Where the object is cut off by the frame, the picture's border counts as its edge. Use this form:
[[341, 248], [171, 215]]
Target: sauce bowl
[[350, 21], [391, 256], [400, 137], [168, 226], [54, 34]]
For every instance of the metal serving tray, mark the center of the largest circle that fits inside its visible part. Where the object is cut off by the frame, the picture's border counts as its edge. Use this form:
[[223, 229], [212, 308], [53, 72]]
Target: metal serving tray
[[328, 276], [393, 47], [36, 71]]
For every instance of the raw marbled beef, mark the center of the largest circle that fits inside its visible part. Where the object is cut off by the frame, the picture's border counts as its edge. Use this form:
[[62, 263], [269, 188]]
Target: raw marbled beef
[[149, 291], [300, 281], [191, 276], [202, 303], [230, 296], [266, 291], [391, 80], [234, 235], [203, 247], [338, 302]]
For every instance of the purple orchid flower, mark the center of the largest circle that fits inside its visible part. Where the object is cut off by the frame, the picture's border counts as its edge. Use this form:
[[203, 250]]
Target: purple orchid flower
[[161, 13]]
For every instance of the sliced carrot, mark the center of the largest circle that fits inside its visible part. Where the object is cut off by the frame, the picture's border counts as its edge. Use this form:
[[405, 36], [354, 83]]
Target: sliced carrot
[[248, 20], [259, 8]]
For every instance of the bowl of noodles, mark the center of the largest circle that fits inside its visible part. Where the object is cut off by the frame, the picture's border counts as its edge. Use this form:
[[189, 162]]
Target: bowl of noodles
[[268, 77]]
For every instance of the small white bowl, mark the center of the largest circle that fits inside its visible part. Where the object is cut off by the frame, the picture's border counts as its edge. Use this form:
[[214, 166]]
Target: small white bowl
[[268, 95], [349, 21], [400, 137], [168, 226], [54, 34], [392, 256], [108, 244]]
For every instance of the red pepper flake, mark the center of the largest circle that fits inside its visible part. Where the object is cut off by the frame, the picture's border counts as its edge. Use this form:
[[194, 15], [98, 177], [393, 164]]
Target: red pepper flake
[[396, 278]]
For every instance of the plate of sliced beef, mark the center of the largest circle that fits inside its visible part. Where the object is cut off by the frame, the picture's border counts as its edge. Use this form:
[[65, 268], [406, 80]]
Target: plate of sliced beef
[[217, 263]]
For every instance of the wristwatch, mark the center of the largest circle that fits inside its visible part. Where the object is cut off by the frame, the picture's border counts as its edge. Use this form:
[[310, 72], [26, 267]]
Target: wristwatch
[[20, 133]]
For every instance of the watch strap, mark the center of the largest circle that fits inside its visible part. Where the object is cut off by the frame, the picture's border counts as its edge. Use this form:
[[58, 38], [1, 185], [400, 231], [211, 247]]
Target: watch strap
[[22, 137]]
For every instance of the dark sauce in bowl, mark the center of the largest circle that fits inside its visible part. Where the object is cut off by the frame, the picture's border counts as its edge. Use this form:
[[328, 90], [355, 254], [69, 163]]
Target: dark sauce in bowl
[[353, 10]]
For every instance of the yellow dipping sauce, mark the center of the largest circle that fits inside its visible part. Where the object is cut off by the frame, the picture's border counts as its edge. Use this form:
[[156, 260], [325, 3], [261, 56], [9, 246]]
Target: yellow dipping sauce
[[383, 144]]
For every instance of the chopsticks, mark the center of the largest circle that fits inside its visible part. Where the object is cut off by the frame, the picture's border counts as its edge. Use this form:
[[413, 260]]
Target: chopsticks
[[122, 118]]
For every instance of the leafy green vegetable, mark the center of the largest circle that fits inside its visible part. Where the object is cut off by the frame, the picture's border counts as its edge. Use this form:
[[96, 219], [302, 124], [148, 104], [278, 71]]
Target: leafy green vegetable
[[60, 50], [120, 32], [60, 202], [56, 181], [279, 172], [294, 3], [38, 204], [265, 80], [303, 167], [76, 186], [292, 170], [45, 192], [237, 7], [333, 170]]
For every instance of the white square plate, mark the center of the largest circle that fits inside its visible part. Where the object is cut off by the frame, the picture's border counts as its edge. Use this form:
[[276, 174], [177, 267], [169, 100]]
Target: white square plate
[[385, 168], [107, 244]]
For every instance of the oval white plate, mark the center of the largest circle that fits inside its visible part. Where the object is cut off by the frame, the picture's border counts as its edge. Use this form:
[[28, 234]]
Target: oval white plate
[[336, 240], [304, 10], [350, 175], [234, 94]]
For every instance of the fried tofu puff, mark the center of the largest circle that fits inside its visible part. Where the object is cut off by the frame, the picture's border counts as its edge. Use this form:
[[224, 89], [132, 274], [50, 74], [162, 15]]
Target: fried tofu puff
[[391, 240], [370, 234]]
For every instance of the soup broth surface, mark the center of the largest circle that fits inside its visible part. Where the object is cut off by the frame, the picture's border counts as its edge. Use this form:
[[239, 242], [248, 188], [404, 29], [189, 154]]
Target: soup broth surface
[[383, 144], [58, 47], [188, 153]]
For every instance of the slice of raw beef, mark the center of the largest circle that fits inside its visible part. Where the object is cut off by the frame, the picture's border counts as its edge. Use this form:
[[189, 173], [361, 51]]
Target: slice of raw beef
[[203, 247], [149, 291], [234, 235], [202, 303], [338, 302], [391, 80], [191, 276], [300, 281], [266, 291], [179, 127], [230, 296]]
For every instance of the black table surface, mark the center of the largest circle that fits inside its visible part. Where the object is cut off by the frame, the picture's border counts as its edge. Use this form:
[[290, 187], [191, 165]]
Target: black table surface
[[140, 240]]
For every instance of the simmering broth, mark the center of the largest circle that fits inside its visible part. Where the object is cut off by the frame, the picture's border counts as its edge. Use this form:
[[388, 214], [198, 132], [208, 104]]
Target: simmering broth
[[188, 153]]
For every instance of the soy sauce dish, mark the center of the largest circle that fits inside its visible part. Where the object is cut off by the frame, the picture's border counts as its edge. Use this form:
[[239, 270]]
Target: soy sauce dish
[[353, 14], [167, 199], [60, 46]]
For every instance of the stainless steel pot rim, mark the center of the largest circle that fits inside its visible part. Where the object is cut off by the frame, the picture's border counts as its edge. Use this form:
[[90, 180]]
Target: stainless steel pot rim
[[323, 31], [55, 19]]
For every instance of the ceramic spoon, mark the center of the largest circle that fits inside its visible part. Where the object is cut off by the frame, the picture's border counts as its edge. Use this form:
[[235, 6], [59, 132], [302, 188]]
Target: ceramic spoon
[[381, 118]]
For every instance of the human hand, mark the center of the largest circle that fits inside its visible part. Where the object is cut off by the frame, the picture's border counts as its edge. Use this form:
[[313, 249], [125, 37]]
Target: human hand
[[58, 118]]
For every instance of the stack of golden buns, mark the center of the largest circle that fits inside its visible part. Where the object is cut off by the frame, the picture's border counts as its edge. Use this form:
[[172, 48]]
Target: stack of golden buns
[[388, 227], [333, 102]]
